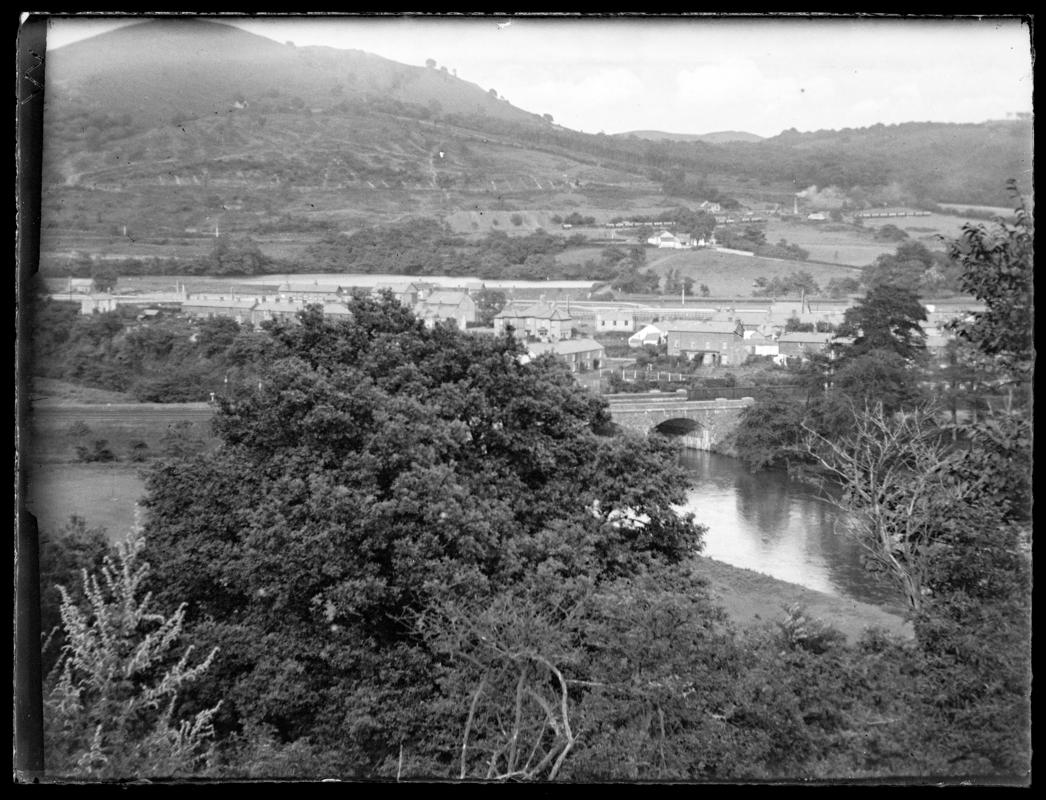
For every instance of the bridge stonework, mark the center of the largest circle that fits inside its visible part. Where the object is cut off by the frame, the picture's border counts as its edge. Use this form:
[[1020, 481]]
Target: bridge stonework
[[715, 419]]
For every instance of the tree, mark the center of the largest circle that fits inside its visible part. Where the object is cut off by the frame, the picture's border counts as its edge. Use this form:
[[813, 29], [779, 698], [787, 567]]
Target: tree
[[895, 490], [998, 264], [430, 63], [769, 431], [103, 276], [886, 318], [111, 711], [381, 469], [231, 256], [489, 303]]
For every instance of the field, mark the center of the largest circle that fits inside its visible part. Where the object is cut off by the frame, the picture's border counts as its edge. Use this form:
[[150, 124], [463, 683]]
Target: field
[[105, 495], [732, 275]]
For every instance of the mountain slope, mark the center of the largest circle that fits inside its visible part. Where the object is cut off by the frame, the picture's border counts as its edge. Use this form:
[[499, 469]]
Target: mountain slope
[[196, 68]]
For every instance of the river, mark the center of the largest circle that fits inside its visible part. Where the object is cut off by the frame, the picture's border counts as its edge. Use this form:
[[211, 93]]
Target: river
[[768, 523]]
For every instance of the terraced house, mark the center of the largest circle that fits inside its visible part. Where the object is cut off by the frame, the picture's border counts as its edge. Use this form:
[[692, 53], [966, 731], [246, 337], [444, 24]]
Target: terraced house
[[715, 343]]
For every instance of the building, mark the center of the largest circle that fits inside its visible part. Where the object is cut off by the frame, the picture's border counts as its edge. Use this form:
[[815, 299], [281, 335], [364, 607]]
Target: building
[[201, 308], [803, 345], [581, 355], [754, 319], [278, 309], [311, 293], [671, 241], [407, 294], [647, 335], [539, 320], [758, 344], [715, 343], [80, 286], [336, 310], [442, 305], [615, 321]]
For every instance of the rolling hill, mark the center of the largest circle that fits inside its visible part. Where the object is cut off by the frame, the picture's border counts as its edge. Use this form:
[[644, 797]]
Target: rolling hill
[[170, 129]]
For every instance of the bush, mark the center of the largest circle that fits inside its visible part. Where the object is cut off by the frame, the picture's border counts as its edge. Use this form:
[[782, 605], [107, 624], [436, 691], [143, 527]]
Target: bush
[[139, 451], [98, 452]]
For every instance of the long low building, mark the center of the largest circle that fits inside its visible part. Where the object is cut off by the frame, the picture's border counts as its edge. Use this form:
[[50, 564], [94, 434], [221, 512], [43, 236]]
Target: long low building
[[581, 355]]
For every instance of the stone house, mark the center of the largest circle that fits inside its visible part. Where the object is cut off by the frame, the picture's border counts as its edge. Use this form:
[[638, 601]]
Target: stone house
[[715, 343]]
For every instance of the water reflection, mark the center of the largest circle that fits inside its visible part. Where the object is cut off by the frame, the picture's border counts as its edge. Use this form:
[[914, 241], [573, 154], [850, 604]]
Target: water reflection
[[776, 526]]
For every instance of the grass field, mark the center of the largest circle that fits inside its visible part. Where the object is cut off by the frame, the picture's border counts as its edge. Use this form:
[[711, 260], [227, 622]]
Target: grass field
[[105, 495], [731, 275], [752, 599]]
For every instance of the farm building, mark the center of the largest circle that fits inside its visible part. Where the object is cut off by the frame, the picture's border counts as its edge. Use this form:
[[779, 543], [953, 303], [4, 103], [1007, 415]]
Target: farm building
[[715, 343]]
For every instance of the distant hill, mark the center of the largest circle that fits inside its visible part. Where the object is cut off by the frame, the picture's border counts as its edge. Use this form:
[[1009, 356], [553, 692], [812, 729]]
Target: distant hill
[[718, 137], [196, 68], [173, 127]]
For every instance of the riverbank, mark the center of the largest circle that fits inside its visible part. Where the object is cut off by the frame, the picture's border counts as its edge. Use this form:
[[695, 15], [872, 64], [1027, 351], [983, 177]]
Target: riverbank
[[752, 599]]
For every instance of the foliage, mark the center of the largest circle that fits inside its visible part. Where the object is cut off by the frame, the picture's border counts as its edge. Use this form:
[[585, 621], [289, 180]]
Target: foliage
[[489, 303], [998, 265], [841, 287], [769, 431], [63, 554], [913, 267], [98, 451], [780, 285], [886, 318], [380, 468], [111, 711], [896, 490], [104, 277], [235, 256]]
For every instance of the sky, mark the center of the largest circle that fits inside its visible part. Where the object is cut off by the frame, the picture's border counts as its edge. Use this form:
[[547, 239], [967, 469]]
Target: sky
[[694, 74]]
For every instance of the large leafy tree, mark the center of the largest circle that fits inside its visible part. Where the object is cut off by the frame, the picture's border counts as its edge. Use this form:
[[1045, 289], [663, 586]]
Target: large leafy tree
[[998, 265], [377, 470], [886, 318]]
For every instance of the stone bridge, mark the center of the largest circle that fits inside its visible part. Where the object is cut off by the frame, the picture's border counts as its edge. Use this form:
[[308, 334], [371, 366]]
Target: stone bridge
[[702, 423]]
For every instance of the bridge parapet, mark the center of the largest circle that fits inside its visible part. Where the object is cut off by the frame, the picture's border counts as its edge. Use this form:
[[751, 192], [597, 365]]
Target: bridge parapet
[[715, 419]]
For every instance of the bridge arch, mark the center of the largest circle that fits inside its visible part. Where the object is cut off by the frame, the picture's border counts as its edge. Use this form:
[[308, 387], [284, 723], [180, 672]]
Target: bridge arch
[[702, 424]]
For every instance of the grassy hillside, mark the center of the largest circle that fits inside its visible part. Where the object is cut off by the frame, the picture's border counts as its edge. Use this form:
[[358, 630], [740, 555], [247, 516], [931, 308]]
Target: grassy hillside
[[158, 134]]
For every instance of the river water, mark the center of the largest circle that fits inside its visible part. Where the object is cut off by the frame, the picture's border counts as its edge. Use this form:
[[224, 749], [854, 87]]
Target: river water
[[768, 523]]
